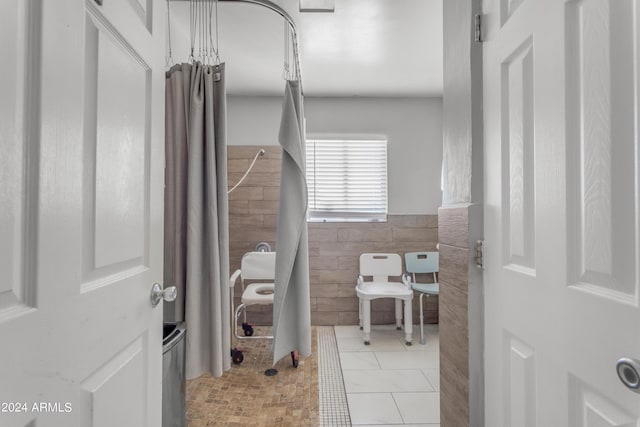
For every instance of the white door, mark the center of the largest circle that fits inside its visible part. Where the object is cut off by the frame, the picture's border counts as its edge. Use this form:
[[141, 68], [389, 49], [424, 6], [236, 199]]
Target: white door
[[562, 224], [81, 181]]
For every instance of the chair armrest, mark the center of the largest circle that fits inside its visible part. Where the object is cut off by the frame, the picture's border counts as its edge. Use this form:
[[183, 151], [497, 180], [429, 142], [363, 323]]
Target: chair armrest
[[233, 278], [360, 280]]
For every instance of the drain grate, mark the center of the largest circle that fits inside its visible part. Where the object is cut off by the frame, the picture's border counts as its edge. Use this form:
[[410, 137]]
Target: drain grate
[[334, 410]]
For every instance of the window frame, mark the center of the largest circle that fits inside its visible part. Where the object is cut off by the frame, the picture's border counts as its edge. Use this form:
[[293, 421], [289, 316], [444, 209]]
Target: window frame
[[319, 215]]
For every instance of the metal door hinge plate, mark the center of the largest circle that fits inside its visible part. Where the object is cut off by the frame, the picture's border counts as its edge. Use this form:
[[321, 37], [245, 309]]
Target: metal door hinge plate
[[479, 254], [478, 27]]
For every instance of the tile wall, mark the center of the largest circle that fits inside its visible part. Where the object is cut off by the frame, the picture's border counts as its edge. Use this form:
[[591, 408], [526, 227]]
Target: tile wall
[[454, 319]]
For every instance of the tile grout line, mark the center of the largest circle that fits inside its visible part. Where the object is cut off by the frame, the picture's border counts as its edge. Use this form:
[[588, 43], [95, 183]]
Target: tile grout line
[[397, 408], [333, 406]]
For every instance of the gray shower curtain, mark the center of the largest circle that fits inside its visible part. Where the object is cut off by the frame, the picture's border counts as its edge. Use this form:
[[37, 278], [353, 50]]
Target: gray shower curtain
[[196, 255], [291, 309]]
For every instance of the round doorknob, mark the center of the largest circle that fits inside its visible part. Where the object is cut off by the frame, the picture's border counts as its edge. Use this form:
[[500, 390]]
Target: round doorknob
[[158, 294], [629, 373]]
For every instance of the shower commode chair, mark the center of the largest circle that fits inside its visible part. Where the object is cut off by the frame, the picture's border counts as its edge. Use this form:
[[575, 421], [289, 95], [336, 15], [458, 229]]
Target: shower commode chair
[[255, 266]]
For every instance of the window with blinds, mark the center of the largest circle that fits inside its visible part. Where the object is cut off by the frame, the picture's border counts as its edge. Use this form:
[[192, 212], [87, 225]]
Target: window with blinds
[[347, 180]]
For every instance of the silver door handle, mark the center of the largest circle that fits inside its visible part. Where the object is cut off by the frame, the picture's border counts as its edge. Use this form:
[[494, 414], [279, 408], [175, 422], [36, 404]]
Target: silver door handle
[[158, 294], [629, 373]]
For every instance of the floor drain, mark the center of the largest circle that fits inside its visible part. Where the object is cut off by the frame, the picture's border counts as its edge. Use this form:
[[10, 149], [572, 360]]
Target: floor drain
[[270, 372]]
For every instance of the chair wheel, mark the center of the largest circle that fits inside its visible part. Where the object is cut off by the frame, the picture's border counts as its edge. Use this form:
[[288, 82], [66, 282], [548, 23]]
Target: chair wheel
[[236, 356], [398, 328], [367, 343], [248, 329], [409, 343]]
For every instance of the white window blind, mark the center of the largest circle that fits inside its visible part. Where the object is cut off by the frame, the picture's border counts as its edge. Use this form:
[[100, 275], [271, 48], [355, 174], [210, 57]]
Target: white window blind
[[347, 180]]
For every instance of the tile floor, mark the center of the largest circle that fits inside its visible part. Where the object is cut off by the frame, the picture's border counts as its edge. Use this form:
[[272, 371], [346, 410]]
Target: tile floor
[[244, 396], [389, 383]]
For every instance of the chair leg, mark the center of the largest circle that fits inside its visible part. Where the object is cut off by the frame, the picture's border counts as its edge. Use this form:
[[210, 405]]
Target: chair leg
[[248, 329], [360, 313], [366, 320], [398, 314], [421, 321], [408, 322], [235, 320]]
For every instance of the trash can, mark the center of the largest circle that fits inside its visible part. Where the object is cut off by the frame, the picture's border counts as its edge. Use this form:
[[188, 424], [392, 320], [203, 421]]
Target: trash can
[[173, 376]]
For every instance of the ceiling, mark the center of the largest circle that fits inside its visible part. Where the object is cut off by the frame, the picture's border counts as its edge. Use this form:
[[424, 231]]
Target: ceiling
[[365, 48]]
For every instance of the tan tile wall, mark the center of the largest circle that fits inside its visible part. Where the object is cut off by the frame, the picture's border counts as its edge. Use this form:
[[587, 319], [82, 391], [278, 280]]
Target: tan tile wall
[[334, 248], [454, 321]]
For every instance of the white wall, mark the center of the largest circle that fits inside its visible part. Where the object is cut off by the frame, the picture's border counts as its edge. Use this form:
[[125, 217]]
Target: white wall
[[413, 127], [462, 105], [253, 120]]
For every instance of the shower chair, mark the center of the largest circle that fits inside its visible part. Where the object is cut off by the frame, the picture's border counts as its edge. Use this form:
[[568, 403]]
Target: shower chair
[[260, 266], [421, 263], [381, 267], [255, 266]]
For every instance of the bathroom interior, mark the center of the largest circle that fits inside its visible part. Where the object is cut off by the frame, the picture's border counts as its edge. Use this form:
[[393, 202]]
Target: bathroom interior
[[499, 137], [155, 144], [369, 72]]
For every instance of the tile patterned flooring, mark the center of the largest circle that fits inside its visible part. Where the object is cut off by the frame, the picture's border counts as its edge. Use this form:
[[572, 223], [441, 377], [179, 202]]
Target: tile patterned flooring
[[389, 383], [385, 384], [244, 396]]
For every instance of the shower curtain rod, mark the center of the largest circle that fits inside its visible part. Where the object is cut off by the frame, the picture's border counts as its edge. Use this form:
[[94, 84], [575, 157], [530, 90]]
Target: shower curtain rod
[[292, 25]]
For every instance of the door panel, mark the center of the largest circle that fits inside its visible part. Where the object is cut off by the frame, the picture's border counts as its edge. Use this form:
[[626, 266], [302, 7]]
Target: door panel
[[18, 32], [601, 147], [117, 389], [82, 232], [603, 207], [562, 211], [518, 158], [115, 181], [591, 408], [520, 382]]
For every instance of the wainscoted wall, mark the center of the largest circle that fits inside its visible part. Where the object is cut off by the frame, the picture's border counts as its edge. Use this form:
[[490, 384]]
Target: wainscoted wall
[[461, 287], [461, 316], [334, 248], [454, 327]]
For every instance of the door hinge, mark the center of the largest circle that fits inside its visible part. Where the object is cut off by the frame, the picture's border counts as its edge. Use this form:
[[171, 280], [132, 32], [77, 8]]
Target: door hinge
[[478, 27], [479, 254]]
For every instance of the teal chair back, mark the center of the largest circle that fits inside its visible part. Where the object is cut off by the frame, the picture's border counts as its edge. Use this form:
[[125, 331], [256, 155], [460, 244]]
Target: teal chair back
[[421, 262]]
